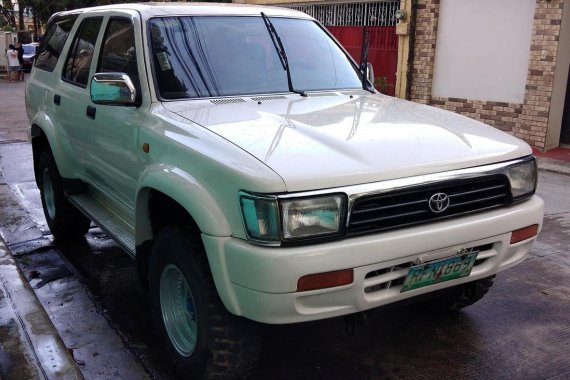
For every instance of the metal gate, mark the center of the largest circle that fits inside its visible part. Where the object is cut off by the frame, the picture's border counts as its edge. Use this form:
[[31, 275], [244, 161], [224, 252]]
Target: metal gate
[[347, 21]]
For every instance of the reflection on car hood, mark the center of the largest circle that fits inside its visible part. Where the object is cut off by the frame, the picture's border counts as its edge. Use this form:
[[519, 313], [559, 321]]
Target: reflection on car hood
[[338, 139]]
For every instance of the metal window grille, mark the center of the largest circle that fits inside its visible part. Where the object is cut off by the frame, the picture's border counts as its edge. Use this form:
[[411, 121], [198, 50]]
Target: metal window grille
[[354, 14]]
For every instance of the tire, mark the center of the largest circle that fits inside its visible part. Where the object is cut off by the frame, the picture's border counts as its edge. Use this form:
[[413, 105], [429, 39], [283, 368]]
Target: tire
[[64, 220], [458, 297], [199, 336], [471, 292]]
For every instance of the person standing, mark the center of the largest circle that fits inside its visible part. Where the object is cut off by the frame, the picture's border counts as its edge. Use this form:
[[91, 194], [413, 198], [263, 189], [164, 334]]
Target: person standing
[[13, 63], [20, 50]]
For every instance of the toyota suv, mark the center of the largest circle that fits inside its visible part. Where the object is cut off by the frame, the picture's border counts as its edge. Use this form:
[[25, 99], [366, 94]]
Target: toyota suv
[[247, 164]]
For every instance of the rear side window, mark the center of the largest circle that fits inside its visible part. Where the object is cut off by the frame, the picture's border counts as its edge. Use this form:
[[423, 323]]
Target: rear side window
[[80, 53], [54, 39]]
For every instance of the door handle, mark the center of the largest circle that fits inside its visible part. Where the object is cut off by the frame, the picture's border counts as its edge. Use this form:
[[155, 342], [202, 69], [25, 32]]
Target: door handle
[[57, 100], [90, 112]]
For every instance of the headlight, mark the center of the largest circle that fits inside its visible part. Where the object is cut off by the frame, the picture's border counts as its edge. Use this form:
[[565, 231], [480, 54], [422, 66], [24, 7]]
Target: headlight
[[522, 178], [270, 219], [312, 216]]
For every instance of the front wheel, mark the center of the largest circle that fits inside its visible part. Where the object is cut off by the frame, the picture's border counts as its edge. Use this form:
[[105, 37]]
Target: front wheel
[[471, 292], [200, 337], [64, 220], [460, 296]]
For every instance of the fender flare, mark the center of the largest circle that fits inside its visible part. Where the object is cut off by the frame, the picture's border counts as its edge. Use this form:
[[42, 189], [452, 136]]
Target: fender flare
[[42, 122], [187, 192]]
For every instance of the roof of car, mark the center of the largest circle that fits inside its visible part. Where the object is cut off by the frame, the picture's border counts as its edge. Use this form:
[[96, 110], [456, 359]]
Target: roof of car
[[148, 10]]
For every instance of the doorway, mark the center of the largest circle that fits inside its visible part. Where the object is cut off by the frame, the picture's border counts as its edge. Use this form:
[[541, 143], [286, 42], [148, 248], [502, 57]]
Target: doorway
[[565, 130]]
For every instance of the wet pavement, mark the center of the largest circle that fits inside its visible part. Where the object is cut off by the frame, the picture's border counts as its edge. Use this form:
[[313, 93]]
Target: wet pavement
[[31, 348], [90, 291]]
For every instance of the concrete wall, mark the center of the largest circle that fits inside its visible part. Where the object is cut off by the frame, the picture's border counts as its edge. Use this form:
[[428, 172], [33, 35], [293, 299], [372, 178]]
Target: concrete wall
[[530, 118], [483, 49]]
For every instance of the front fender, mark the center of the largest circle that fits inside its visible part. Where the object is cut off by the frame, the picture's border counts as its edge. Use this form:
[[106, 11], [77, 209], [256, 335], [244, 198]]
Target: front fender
[[186, 191]]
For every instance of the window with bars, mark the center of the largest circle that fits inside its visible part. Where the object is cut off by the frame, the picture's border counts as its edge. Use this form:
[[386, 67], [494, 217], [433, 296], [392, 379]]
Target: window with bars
[[354, 14]]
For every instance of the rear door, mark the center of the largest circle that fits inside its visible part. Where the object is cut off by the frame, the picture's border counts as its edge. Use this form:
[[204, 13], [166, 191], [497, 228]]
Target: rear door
[[71, 98]]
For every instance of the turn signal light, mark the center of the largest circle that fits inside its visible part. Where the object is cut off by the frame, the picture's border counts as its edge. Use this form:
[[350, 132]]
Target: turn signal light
[[325, 280], [524, 233]]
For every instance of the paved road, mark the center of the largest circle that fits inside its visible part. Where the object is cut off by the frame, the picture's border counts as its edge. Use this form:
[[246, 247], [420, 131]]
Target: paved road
[[521, 330]]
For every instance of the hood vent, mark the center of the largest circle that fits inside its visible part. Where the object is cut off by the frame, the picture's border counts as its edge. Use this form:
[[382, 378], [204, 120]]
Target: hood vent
[[271, 97], [228, 101], [352, 92], [328, 93]]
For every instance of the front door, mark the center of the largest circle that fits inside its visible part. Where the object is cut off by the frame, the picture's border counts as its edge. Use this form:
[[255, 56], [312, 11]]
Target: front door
[[565, 131], [112, 147]]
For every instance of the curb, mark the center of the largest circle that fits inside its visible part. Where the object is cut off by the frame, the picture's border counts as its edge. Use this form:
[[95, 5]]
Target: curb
[[32, 347], [552, 165]]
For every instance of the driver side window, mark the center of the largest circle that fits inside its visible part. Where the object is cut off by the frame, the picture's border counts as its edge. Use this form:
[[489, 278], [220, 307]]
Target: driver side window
[[118, 51]]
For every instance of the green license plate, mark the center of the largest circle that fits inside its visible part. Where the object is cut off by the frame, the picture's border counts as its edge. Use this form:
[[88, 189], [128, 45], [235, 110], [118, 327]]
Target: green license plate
[[438, 271]]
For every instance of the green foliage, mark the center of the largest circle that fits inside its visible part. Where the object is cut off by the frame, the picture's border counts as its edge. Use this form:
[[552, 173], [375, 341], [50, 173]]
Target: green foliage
[[382, 85], [44, 9]]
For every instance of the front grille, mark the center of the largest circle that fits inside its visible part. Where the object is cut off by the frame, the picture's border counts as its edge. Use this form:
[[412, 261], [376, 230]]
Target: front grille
[[401, 208]]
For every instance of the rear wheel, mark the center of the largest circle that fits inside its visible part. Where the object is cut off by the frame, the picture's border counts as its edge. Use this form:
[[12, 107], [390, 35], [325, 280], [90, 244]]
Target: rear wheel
[[200, 337], [64, 220]]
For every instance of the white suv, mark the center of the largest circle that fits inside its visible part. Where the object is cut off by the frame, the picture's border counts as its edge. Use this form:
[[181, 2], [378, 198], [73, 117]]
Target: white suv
[[245, 161]]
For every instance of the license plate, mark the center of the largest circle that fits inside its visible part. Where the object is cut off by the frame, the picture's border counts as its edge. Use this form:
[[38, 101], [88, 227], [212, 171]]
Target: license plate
[[438, 271]]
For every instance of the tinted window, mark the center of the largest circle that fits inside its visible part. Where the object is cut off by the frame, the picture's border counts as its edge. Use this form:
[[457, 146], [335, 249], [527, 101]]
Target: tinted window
[[54, 39], [223, 56], [118, 50], [80, 54]]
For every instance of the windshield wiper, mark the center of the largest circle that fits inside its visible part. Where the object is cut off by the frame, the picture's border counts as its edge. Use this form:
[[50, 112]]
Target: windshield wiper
[[280, 52]]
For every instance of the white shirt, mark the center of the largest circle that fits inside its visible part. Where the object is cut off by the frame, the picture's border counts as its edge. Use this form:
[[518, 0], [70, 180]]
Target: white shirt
[[12, 56]]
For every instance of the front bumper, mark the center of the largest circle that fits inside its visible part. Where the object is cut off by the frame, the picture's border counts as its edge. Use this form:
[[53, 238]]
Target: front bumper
[[260, 282]]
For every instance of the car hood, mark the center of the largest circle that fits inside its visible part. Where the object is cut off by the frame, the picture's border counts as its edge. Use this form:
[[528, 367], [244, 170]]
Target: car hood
[[337, 139]]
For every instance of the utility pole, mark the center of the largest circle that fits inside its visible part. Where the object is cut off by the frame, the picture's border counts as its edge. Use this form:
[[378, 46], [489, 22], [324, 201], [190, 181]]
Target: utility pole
[[20, 16]]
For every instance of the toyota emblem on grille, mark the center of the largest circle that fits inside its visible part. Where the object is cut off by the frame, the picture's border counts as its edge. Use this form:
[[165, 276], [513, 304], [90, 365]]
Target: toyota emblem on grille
[[438, 203]]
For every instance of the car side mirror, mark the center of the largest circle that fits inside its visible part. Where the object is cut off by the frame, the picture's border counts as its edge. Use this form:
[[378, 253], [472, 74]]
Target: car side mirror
[[370, 73], [115, 89]]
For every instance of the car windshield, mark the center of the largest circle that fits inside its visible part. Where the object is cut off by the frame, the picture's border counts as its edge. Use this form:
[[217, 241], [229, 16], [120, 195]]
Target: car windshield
[[223, 56], [29, 49]]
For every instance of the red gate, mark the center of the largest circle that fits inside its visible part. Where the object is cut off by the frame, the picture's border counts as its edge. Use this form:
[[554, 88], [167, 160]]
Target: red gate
[[382, 51], [346, 22]]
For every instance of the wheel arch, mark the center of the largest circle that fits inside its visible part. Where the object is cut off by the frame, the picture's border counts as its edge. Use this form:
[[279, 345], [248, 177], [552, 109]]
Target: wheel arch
[[39, 142], [42, 135], [176, 188], [168, 196]]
